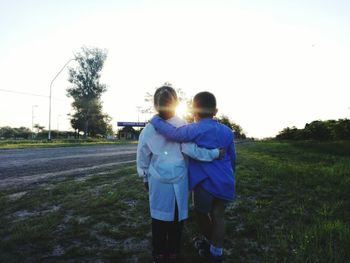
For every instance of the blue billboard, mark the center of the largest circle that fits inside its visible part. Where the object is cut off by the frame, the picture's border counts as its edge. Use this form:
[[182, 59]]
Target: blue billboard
[[131, 124]]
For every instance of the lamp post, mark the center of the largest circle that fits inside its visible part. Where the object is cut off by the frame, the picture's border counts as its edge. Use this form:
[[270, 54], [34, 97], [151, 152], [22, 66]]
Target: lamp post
[[58, 125], [49, 135], [138, 113], [144, 112], [58, 121], [33, 106]]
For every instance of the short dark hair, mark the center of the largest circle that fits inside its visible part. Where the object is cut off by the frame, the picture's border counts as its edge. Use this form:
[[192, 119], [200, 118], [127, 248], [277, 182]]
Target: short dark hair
[[204, 104]]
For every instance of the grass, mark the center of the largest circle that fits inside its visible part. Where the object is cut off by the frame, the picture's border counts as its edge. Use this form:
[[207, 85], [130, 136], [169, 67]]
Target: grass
[[20, 144], [293, 205]]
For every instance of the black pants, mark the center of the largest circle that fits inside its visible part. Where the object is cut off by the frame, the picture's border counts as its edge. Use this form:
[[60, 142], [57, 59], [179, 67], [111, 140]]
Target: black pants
[[166, 235]]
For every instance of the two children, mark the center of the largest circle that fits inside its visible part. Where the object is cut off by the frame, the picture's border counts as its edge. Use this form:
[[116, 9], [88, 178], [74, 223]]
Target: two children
[[213, 183], [164, 169]]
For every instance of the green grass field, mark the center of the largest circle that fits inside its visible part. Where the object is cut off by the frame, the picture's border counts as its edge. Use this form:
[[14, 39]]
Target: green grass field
[[20, 144], [293, 205]]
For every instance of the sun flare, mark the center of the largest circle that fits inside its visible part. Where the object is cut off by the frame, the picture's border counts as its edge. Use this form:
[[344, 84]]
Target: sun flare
[[181, 109]]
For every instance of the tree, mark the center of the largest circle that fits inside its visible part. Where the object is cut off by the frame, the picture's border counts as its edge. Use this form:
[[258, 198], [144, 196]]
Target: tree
[[86, 90], [14, 133], [318, 130], [341, 130], [7, 132], [38, 128], [292, 133], [239, 134]]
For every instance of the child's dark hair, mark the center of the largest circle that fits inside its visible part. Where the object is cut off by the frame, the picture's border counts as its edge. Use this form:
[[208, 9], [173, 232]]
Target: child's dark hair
[[165, 99], [204, 104]]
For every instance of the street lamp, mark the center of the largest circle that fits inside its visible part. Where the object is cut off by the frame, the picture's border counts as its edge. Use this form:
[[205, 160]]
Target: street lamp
[[144, 112], [58, 125], [138, 113], [49, 136], [33, 106], [58, 121]]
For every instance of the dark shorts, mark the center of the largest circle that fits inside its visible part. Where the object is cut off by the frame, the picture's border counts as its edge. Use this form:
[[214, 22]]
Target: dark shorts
[[204, 201]]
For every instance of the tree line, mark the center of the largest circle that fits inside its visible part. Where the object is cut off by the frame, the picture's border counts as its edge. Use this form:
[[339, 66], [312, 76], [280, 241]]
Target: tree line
[[318, 130], [39, 133]]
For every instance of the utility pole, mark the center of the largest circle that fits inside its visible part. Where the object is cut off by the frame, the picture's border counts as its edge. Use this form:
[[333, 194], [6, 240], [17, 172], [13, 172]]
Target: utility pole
[[33, 106]]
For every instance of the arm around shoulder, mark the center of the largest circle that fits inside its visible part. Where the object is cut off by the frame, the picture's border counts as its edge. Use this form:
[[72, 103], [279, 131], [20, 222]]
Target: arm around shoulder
[[184, 133], [199, 153]]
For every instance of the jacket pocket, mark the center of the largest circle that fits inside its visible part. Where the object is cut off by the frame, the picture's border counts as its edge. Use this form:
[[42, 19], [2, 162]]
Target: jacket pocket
[[168, 171]]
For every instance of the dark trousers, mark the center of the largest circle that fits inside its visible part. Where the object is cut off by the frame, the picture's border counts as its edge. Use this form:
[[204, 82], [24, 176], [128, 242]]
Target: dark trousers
[[166, 235]]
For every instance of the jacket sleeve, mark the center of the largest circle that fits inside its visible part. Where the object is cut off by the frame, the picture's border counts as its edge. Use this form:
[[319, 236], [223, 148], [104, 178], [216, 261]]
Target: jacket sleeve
[[201, 154], [184, 133], [143, 158]]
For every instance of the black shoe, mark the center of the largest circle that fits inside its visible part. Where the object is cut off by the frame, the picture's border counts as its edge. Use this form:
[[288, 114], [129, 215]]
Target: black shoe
[[216, 259], [202, 245], [159, 259], [173, 257]]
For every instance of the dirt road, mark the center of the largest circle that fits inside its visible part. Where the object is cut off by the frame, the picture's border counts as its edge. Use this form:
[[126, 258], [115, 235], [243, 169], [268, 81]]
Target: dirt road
[[21, 167]]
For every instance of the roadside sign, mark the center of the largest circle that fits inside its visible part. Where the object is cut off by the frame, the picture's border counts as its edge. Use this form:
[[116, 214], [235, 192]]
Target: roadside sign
[[131, 124]]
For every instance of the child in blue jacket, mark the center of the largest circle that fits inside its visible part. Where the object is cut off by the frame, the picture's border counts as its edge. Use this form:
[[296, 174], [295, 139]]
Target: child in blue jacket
[[213, 183]]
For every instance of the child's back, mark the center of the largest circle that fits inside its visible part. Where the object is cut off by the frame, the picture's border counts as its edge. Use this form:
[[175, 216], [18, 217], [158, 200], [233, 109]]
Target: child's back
[[217, 177]]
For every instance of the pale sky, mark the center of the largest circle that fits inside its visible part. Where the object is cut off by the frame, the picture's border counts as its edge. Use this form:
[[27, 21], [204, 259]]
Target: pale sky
[[271, 64]]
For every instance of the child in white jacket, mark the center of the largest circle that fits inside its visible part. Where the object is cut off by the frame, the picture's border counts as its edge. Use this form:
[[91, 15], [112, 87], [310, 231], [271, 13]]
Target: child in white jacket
[[164, 169]]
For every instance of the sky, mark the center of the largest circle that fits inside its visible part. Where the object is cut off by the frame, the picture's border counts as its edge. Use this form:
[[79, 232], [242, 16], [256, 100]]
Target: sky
[[270, 64]]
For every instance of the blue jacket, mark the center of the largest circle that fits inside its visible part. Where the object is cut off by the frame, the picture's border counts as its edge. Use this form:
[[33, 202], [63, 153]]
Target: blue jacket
[[217, 177]]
